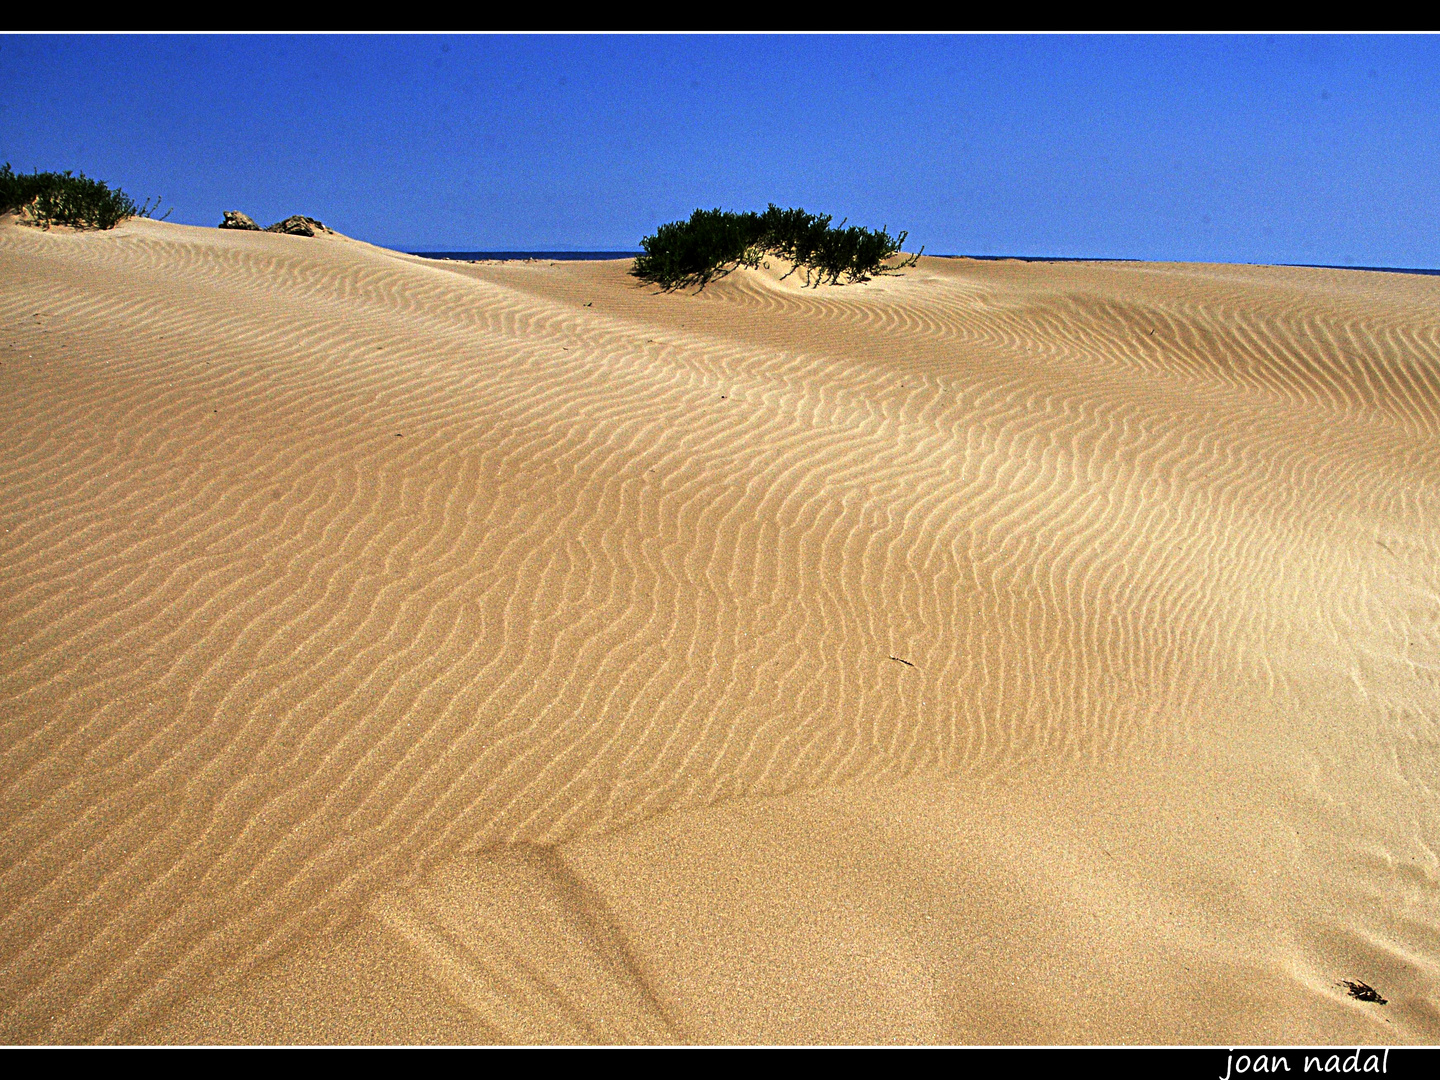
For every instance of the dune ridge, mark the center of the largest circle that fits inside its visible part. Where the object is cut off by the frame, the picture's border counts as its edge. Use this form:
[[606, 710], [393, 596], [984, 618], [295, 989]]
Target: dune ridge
[[369, 618]]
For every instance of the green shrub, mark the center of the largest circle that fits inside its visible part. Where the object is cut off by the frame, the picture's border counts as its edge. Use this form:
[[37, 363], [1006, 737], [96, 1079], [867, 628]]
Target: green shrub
[[66, 199], [714, 242]]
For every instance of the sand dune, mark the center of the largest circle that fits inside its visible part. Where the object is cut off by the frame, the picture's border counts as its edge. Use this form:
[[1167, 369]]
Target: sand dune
[[414, 651]]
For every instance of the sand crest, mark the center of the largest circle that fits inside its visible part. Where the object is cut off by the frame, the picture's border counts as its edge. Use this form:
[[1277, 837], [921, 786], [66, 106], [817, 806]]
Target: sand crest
[[411, 651]]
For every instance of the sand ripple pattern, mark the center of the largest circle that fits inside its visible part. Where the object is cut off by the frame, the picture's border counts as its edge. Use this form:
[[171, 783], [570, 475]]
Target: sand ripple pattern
[[322, 565]]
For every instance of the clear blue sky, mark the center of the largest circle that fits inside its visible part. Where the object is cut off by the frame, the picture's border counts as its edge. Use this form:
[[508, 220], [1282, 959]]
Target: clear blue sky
[[1235, 149]]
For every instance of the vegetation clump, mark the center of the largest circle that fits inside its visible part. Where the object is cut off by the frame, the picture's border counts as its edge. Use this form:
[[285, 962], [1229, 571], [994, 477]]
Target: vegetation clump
[[714, 242], [50, 198], [1363, 991]]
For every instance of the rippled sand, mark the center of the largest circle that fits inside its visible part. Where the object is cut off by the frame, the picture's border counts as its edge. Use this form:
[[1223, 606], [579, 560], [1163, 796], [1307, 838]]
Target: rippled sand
[[409, 651]]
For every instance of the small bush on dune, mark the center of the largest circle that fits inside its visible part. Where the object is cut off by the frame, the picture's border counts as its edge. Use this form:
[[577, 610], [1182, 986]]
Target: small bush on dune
[[66, 199], [714, 242]]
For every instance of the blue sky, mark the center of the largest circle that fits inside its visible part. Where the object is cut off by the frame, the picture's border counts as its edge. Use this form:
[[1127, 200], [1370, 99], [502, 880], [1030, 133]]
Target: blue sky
[[1233, 149]]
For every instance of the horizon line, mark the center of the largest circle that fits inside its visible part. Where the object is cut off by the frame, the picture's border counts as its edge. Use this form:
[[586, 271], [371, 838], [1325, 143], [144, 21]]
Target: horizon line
[[599, 255]]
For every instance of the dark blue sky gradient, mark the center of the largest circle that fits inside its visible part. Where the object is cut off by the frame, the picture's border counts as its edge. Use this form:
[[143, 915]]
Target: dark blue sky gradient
[[1234, 149]]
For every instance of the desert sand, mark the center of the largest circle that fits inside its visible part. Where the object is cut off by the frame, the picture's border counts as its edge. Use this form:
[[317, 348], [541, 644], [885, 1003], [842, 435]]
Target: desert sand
[[406, 651]]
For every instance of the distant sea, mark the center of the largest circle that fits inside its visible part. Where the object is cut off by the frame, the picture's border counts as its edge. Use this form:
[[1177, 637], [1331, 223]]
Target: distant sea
[[506, 256], [1311, 266], [1375, 269], [511, 256]]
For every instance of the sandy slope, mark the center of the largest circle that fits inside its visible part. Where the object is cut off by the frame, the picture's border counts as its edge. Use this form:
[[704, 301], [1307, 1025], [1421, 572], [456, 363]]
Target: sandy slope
[[411, 651]]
